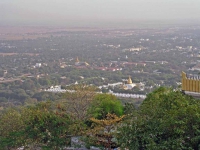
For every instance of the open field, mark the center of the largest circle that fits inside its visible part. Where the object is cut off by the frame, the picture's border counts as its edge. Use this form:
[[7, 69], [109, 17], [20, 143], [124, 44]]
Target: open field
[[11, 54], [20, 33]]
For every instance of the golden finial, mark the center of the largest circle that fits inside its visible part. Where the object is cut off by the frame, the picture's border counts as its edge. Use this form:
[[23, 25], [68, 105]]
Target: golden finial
[[77, 60], [129, 80]]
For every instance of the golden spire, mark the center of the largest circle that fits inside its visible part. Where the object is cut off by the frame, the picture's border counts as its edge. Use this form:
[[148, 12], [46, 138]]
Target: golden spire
[[87, 64], [77, 60], [129, 80]]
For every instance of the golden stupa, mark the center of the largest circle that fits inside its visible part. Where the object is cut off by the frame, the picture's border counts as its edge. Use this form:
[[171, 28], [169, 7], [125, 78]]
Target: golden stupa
[[129, 85]]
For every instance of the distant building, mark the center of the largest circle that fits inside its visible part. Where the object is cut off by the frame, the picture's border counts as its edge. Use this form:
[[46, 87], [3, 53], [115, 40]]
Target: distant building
[[137, 49], [108, 68], [79, 63], [129, 85], [133, 63], [55, 89], [196, 67], [114, 69], [125, 95], [38, 65], [115, 84], [191, 84]]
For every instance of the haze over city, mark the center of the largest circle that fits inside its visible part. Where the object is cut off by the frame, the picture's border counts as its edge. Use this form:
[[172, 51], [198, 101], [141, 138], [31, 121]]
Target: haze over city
[[99, 74], [97, 13]]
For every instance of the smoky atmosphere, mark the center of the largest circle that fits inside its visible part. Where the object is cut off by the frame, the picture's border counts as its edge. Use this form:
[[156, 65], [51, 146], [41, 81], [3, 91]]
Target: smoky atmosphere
[[97, 13], [99, 75]]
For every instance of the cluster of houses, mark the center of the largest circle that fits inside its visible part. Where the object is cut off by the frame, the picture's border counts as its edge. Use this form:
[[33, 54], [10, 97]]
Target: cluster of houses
[[113, 66]]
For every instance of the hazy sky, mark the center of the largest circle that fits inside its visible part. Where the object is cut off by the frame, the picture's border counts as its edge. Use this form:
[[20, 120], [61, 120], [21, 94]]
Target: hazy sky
[[91, 12]]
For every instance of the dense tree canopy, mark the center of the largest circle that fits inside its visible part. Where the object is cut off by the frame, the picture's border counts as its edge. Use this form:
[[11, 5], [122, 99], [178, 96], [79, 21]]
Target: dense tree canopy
[[167, 119], [39, 126], [104, 104]]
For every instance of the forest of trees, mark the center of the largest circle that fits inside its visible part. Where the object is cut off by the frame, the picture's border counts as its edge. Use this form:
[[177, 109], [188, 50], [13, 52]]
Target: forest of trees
[[166, 119]]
